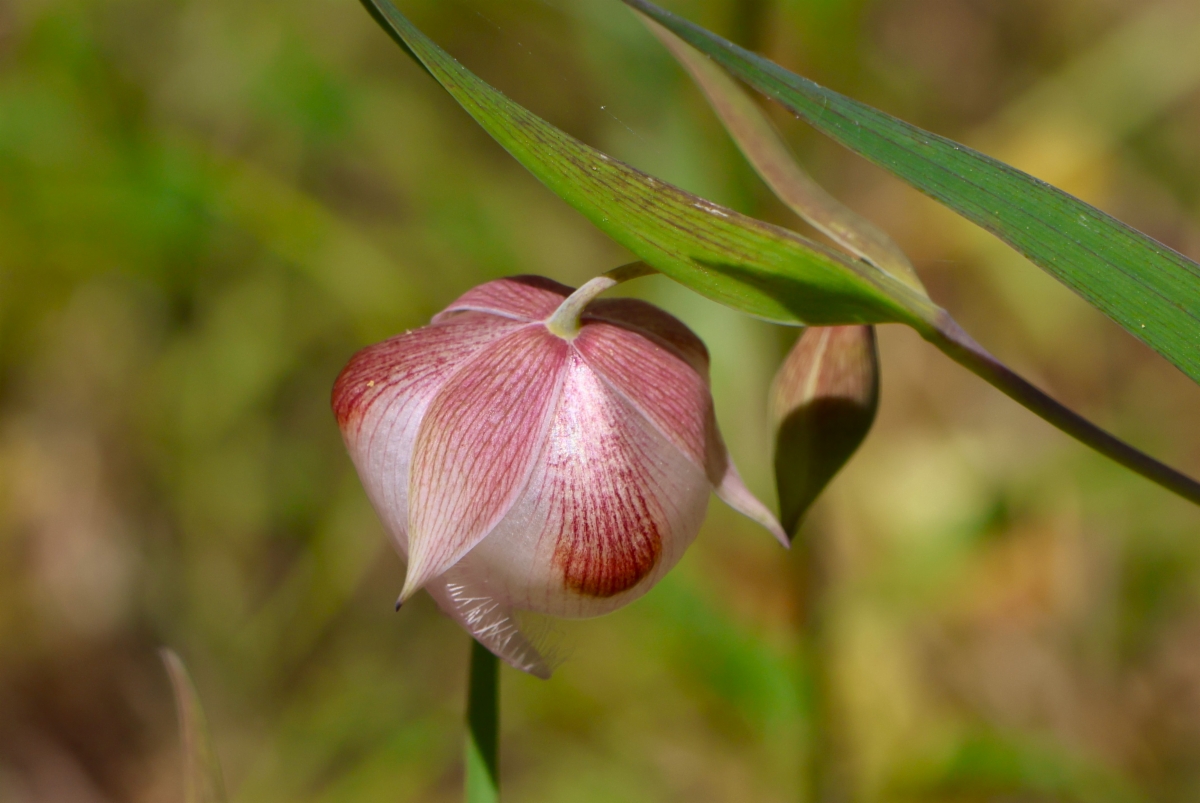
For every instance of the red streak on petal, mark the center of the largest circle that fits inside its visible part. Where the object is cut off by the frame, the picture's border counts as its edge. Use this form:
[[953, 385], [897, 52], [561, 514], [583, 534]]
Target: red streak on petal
[[648, 320], [598, 480], [611, 550], [477, 445], [661, 384]]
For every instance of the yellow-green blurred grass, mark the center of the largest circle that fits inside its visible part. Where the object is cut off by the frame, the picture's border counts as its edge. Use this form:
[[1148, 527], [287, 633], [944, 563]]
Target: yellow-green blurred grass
[[206, 207]]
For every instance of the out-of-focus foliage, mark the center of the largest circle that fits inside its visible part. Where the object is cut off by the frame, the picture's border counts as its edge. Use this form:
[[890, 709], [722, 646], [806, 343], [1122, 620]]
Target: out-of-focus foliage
[[206, 207], [202, 778]]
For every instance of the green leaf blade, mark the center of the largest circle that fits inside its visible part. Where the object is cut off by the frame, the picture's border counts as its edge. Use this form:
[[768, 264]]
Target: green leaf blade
[[736, 260], [1146, 287], [769, 155]]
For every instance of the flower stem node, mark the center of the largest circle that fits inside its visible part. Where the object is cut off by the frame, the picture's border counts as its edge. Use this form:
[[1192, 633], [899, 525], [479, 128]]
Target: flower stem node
[[538, 449]]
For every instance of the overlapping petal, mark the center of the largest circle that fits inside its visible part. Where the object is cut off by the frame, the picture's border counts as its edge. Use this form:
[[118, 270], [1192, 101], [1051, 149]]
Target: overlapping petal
[[610, 507], [476, 447], [651, 359], [381, 396], [652, 323], [525, 298], [659, 384]]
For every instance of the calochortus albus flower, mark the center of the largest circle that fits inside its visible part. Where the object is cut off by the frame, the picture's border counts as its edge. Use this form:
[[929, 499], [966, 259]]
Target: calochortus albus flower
[[535, 449]]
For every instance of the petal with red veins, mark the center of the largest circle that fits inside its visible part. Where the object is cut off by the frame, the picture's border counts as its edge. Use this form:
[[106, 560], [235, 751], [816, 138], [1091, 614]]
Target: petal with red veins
[[381, 396], [659, 383], [667, 390], [610, 508], [524, 298], [648, 320], [477, 446]]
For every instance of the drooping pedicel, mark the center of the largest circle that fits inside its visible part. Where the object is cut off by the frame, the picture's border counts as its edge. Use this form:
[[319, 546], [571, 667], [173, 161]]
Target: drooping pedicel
[[523, 460]]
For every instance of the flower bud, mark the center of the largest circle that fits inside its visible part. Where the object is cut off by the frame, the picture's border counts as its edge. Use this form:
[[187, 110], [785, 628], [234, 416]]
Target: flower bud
[[823, 401], [534, 450]]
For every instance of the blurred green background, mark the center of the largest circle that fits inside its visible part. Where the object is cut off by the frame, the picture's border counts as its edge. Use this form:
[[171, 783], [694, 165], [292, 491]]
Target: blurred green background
[[206, 206]]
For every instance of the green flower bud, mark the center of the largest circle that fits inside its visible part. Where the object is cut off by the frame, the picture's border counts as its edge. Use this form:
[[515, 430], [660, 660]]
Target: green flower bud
[[823, 403]]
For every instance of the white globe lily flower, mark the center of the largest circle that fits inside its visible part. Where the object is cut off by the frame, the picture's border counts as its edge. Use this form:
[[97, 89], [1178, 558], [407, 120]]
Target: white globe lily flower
[[535, 449]]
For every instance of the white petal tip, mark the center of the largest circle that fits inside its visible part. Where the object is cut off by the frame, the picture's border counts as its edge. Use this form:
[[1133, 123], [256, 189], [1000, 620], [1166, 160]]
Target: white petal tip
[[733, 492], [409, 589], [773, 526], [421, 570]]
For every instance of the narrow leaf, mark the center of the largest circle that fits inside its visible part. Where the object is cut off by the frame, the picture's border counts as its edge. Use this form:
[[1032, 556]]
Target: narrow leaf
[[739, 261], [1151, 290], [202, 779], [771, 158]]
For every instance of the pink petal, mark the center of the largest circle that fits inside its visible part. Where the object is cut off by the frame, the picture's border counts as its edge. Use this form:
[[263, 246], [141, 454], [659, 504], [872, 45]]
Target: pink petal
[[612, 506], [733, 492], [665, 387], [660, 384], [651, 322], [381, 396], [477, 446], [525, 298]]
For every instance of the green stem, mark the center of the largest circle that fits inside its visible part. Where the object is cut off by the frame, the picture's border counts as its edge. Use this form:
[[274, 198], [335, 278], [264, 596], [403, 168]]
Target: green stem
[[483, 718], [567, 319], [824, 780], [960, 347]]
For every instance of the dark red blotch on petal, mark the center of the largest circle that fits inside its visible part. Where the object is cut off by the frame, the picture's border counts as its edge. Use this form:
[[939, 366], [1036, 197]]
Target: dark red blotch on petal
[[610, 538], [601, 563]]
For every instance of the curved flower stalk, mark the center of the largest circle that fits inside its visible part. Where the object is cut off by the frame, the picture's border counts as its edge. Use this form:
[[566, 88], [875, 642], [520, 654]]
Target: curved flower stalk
[[536, 449]]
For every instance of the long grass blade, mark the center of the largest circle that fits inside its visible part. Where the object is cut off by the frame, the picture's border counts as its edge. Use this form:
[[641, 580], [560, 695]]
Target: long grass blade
[[744, 263], [772, 159], [1151, 290], [736, 260]]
